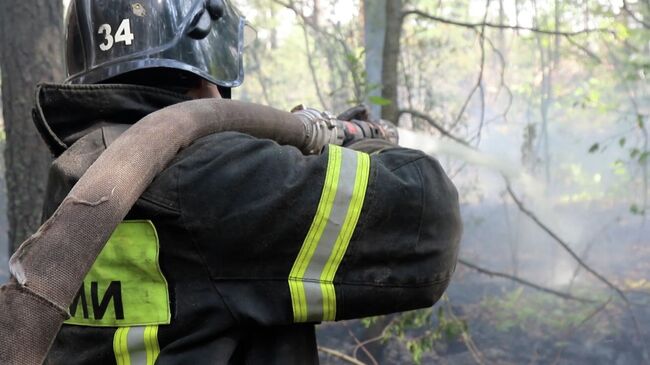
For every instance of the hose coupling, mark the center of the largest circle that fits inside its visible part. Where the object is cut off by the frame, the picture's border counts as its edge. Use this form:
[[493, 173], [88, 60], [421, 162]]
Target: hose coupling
[[321, 129]]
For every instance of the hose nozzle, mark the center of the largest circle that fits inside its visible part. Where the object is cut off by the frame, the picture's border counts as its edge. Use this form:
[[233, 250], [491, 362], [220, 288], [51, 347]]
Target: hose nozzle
[[322, 128]]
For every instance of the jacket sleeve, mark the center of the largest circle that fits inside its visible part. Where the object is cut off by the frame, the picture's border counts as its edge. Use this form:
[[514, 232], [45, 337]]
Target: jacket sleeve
[[288, 238]]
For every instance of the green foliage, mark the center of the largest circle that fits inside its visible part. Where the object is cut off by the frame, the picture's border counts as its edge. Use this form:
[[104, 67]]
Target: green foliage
[[634, 209], [378, 100], [420, 331], [621, 30], [643, 157], [535, 312], [369, 321], [450, 328]]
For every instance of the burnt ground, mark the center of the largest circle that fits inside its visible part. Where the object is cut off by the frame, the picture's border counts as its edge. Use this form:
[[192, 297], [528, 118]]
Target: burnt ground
[[539, 334]]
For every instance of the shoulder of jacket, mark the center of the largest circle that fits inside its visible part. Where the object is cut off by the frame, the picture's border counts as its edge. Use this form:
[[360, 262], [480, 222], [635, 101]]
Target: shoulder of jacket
[[398, 157]]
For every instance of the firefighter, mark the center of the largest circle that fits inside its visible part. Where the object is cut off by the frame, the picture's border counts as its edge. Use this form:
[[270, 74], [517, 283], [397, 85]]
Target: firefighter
[[241, 245]]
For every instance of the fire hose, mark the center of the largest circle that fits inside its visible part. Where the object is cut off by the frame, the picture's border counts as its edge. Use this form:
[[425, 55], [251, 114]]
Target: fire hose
[[49, 267]]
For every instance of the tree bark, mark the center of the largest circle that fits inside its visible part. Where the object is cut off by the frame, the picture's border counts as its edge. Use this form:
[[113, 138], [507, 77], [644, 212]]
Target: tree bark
[[374, 14], [30, 52], [391, 58]]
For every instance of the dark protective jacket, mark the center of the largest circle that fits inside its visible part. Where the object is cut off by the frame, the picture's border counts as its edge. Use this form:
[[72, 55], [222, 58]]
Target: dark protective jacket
[[241, 245]]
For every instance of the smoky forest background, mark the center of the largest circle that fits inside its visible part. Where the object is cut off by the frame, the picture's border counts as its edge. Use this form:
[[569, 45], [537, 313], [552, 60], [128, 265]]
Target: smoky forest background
[[539, 111]]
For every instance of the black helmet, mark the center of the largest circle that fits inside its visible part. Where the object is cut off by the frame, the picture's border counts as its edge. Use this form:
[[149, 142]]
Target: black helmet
[[108, 38]]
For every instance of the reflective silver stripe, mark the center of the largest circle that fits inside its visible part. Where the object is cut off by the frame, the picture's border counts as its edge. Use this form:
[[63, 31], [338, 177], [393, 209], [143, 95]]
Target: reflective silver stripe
[[311, 281], [345, 187], [135, 343]]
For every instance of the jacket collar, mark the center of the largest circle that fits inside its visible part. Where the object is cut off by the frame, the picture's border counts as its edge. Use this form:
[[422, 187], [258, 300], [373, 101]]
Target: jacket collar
[[65, 113]]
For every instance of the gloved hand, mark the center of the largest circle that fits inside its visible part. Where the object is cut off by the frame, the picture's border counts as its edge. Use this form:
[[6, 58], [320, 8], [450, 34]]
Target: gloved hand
[[359, 125], [359, 112], [352, 126]]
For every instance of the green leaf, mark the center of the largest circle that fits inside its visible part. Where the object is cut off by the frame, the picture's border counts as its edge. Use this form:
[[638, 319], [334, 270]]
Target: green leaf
[[352, 58], [644, 157], [594, 148], [378, 100], [639, 121], [621, 30], [621, 142], [634, 152]]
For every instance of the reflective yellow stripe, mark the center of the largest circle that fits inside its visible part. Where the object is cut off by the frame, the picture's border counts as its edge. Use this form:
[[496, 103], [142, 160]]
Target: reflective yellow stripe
[[136, 345], [151, 343], [120, 347], [297, 273], [311, 277], [343, 240]]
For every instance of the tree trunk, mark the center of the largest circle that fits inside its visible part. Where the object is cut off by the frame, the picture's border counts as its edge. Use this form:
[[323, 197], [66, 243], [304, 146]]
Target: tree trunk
[[391, 58], [374, 14], [383, 29], [30, 52]]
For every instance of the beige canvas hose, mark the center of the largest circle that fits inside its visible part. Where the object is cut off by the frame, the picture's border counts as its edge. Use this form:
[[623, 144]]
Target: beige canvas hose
[[49, 267]]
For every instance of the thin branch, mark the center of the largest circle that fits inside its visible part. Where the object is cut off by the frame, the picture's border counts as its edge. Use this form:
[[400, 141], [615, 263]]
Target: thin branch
[[467, 100], [261, 79], [525, 282], [477, 355], [584, 49], [502, 77], [590, 244], [342, 42], [479, 82], [547, 66], [360, 346], [407, 79], [514, 245], [641, 126], [433, 123], [572, 331], [312, 69], [646, 142], [593, 313], [312, 23], [633, 16], [340, 355], [375, 339], [564, 245], [479, 132], [504, 26], [575, 256]]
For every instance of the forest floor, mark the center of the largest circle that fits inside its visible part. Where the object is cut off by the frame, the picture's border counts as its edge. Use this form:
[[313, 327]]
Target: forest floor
[[514, 326]]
